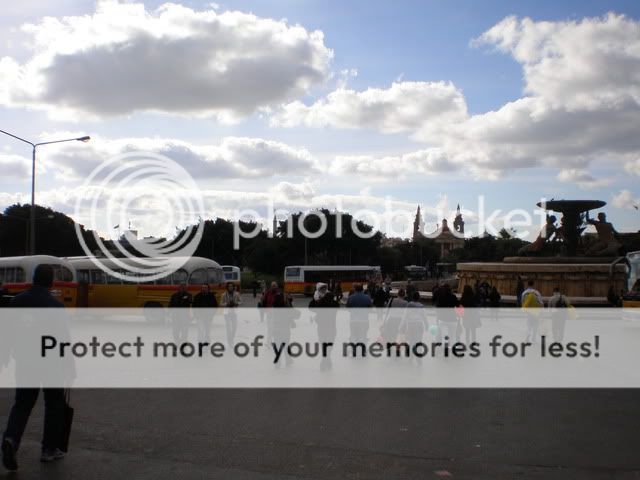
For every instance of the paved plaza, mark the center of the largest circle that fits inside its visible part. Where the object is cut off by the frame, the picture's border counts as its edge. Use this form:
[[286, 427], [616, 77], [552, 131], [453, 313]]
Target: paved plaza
[[338, 434]]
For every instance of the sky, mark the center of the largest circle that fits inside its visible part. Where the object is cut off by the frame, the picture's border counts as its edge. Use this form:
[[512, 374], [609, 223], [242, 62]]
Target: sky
[[362, 106]]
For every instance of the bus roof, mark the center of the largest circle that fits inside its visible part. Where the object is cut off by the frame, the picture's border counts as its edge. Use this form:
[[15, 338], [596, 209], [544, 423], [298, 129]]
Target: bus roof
[[334, 267], [30, 262], [190, 263], [33, 259]]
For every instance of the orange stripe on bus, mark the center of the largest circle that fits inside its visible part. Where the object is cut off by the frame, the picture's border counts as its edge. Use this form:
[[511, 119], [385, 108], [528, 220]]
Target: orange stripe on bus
[[175, 287], [28, 285]]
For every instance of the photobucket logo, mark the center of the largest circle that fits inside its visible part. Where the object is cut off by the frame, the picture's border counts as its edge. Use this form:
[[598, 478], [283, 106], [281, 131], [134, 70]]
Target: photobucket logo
[[153, 185], [392, 219]]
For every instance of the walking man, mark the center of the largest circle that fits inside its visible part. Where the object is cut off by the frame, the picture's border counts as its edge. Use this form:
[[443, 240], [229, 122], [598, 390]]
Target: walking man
[[38, 296], [203, 310], [179, 306]]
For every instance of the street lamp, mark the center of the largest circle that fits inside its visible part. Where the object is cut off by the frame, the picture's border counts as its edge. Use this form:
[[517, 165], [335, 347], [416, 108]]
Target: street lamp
[[32, 227]]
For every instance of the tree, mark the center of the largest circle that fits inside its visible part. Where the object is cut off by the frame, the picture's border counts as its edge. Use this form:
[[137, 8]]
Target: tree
[[505, 234], [345, 241], [55, 232]]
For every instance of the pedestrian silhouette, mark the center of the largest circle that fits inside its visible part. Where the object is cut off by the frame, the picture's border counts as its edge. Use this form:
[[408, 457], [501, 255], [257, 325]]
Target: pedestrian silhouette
[[179, 306], [54, 435], [230, 301], [203, 310]]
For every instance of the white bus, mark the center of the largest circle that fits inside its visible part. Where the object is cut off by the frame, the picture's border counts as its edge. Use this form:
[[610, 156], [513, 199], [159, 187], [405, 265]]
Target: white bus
[[232, 274], [303, 278], [16, 274], [415, 272]]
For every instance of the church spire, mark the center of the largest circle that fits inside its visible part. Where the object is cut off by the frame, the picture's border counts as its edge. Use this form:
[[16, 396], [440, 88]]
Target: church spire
[[418, 225], [458, 222]]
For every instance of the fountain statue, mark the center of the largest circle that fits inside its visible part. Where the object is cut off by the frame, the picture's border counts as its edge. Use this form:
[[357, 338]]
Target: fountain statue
[[560, 256], [547, 232], [607, 243], [573, 212]]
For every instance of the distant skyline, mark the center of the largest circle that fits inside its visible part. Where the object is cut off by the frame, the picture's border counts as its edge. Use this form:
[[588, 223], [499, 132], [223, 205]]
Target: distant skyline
[[319, 104]]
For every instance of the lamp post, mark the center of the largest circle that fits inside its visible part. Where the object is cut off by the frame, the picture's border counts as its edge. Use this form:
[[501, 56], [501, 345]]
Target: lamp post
[[32, 216]]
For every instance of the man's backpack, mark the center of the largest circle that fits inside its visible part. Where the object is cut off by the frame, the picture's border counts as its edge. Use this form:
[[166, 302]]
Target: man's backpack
[[530, 300]]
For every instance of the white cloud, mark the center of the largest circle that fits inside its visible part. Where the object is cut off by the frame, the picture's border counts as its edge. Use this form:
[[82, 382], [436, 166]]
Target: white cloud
[[124, 58], [428, 161], [233, 157], [625, 199], [150, 215], [286, 191], [578, 110], [403, 107], [14, 166], [7, 199], [582, 107], [582, 178], [633, 166], [588, 64], [581, 102]]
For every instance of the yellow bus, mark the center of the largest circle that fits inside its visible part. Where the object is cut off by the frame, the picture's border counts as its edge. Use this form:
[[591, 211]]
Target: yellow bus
[[98, 289], [16, 274], [303, 278]]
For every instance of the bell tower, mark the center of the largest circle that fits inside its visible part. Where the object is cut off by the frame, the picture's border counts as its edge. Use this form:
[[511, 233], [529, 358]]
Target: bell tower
[[458, 222]]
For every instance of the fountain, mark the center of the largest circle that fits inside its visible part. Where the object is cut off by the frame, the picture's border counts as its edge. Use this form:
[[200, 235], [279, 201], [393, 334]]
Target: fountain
[[572, 211], [559, 258]]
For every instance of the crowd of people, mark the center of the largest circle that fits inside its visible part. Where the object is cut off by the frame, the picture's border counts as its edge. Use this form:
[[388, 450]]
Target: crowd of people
[[457, 318], [401, 316]]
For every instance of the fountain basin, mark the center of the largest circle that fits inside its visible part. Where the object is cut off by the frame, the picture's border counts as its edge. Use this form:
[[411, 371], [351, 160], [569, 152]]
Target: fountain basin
[[574, 277]]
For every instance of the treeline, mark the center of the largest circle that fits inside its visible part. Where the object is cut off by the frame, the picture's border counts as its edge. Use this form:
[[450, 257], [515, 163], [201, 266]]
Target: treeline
[[55, 233], [339, 244]]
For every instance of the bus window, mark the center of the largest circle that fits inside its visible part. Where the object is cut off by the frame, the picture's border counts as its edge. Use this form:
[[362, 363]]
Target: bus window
[[198, 277], [98, 277], [83, 276], [315, 276], [62, 273], [164, 280], [178, 277], [128, 274], [9, 275], [2, 280], [20, 275], [68, 275], [344, 276], [292, 272], [213, 276], [111, 280]]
